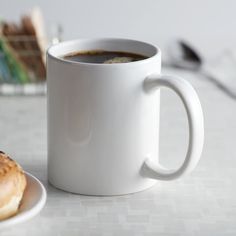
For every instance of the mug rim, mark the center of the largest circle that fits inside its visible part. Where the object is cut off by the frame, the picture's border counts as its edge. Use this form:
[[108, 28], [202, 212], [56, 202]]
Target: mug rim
[[59, 58]]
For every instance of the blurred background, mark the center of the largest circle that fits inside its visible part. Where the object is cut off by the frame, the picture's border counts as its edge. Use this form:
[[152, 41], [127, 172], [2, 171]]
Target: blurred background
[[208, 24]]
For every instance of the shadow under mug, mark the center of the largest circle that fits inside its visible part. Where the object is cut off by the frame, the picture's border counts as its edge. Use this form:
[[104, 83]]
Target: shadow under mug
[[103, 119]]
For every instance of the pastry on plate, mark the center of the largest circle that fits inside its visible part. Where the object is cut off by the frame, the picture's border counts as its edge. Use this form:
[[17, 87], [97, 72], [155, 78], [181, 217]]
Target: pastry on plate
[[12, 186]]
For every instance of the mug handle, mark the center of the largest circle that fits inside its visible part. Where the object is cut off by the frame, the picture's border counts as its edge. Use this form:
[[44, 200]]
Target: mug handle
[[193, 108]]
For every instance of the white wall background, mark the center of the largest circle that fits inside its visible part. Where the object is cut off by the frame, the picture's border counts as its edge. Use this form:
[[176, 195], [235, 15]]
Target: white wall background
[[209, 24]]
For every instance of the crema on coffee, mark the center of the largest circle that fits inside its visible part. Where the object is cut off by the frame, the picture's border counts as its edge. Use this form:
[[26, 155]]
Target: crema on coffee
[[104, 57]]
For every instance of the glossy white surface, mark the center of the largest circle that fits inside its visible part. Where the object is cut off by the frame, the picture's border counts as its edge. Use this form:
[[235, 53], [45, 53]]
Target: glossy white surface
[[103, 125], [32, 203], [193, 109], [98, 135]]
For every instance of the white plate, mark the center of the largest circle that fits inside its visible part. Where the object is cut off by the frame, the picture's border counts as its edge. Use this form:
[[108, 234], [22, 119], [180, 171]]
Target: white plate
[[32, 203]]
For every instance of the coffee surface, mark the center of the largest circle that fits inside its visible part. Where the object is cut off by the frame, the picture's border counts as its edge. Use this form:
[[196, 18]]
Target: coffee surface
[[104, 57]]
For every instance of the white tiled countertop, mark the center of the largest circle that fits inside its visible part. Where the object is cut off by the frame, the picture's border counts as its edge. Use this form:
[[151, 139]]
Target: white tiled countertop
[[203, 203]]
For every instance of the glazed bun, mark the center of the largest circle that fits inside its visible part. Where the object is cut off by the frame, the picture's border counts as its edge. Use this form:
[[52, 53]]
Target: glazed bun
[[12, 186]]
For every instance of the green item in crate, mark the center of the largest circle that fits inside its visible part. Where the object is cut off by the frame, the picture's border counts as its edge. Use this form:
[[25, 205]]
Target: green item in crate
[[17, 69], [5, 75]]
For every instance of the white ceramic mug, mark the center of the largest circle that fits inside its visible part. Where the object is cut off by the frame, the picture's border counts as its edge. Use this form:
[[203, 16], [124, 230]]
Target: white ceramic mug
[[103, 120]]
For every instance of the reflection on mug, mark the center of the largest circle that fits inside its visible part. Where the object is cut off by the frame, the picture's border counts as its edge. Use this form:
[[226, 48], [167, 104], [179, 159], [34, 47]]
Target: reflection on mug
[[78, 112]]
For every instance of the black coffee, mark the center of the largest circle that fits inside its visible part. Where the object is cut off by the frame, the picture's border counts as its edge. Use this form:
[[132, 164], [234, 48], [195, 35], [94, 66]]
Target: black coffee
[[104, 57]]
